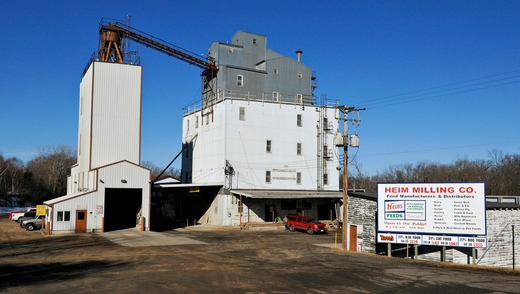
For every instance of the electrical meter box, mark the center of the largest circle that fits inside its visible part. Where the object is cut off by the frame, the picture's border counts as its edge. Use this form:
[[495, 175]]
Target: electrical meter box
[[354, 140]]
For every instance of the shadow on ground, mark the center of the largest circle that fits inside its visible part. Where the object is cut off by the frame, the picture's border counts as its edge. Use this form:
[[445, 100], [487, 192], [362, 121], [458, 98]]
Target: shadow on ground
[[13, 275]]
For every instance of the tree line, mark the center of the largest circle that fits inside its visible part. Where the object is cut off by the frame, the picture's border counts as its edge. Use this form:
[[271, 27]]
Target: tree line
[[501, 173], [45, 176]]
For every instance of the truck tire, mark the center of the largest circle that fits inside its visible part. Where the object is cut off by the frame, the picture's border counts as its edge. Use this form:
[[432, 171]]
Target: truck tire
[[29, 227], [310, 231], [291, 228]]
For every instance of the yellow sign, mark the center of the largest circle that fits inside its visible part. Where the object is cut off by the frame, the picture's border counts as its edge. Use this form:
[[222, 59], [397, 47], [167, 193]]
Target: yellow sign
[[41, 209], [194, 190]]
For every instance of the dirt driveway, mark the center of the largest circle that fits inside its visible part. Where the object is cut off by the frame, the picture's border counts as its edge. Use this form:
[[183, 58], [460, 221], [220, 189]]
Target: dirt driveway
[[221, 261]]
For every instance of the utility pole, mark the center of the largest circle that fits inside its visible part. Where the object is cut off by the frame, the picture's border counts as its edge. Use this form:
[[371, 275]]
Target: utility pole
[[345, 109]]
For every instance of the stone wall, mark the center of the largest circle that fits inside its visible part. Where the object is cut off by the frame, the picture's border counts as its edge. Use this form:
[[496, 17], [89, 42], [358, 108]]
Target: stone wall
[[500, 239], [362, 212]]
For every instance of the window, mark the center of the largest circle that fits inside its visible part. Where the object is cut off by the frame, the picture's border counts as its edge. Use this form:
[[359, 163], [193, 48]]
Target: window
[[298, 148], [300, 75], [325, 151], [63, 216], [325, 179], [276, 96], [187, 125], [196, 121], [298, 120], [299, 98], [242, 114], [254, 41], [268, 176], [298, 178], [240, 80], [275, 71], [230, 50], [268, 146]]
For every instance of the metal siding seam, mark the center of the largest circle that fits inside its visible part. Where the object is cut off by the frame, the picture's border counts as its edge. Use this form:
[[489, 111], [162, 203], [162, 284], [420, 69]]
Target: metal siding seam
[[141, 113], [91, 116]]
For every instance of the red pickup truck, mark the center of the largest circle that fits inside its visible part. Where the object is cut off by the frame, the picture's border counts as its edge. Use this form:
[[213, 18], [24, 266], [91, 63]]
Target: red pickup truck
[[306, 223]]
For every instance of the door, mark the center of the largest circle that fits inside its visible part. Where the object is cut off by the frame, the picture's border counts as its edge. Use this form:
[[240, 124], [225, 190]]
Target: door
[[81, 221], [353, 238]]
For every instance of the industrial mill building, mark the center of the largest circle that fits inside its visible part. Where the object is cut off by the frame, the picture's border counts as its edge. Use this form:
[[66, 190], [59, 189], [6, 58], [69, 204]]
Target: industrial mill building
[[263, 136]]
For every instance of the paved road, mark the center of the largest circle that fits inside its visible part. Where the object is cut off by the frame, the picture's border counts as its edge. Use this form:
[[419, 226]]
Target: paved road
[[220, 261]]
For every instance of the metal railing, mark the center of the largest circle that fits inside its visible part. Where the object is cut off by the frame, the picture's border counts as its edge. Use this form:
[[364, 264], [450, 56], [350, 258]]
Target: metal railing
[[221, 95], [132, 59]]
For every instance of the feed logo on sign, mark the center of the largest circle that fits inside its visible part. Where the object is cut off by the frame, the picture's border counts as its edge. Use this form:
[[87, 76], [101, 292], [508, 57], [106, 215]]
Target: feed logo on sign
[[394, 206], [394, 215], [386, 238]]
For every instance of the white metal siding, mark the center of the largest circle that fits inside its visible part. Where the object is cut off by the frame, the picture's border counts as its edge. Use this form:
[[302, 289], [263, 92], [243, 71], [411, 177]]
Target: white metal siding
[[111, 176], [242, 143], [84, 114], [116, 113]]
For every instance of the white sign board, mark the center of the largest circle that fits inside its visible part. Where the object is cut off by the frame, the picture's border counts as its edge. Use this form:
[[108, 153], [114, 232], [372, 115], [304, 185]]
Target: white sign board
[[433, 240], [432, 208]]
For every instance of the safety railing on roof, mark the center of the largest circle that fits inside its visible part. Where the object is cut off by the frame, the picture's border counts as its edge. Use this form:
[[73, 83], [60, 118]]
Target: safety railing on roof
[[95, 57], [299, 99]]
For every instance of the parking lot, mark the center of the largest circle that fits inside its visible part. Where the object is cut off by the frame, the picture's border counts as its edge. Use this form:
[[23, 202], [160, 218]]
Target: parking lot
[[216, 260]]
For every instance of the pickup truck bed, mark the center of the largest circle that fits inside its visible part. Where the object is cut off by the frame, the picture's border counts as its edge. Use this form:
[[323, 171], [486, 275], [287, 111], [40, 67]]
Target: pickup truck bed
[[15, 215]]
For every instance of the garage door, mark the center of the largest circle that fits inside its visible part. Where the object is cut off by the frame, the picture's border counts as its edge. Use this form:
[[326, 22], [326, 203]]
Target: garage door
[[121, 208]]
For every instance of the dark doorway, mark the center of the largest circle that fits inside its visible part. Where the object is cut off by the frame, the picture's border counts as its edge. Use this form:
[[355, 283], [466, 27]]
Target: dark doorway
[[175, 207], [121, 208], [323, 212]]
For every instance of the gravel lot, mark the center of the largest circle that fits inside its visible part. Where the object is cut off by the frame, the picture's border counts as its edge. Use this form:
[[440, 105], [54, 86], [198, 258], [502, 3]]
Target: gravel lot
[[215, 260]]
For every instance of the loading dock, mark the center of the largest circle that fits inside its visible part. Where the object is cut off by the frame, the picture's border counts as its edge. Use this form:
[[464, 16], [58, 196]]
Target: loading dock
[[174, 204]]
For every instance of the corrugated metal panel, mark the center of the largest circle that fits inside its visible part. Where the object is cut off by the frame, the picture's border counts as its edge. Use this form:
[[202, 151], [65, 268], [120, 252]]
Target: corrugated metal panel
[[244, 146], [84, 120], [117, 113], [135, 176]]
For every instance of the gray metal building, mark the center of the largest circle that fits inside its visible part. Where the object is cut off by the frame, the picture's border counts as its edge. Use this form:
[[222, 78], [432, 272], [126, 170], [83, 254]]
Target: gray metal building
[[247, 65]]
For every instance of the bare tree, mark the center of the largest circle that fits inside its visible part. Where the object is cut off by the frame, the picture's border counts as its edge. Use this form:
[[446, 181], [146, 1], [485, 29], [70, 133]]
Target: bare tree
[[49, 170], [501, 173], [156, 170], [11, 171]]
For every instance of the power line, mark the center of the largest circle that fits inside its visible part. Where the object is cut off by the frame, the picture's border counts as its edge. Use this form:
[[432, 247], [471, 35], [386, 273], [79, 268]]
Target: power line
[[438, 87], [436, 149], [448, 94], [420, 93]]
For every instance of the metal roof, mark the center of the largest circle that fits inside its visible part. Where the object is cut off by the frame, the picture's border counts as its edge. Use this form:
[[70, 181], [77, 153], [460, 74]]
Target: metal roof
[[287, 194], [176, 185]]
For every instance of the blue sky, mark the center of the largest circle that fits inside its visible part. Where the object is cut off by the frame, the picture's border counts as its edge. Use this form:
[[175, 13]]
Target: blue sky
[[366, 54]]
